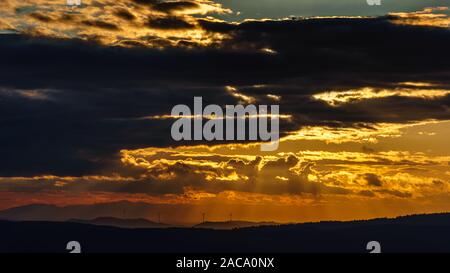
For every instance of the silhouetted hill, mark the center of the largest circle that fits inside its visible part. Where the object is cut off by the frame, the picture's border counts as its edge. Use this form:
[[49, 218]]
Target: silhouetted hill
[[122, 223], [421, 233], [233, 224]]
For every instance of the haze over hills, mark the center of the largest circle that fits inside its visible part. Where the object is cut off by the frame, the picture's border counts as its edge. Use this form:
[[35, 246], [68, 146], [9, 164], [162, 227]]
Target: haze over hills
[[122, 223], [119, 214], [118, 210], [43, 212]]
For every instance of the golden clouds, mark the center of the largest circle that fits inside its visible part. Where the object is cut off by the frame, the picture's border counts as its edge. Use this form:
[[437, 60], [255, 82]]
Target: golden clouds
[[336, 98], [126, 22], [27, 94], [157, 23], [320, 183], [433, 17], [383, 174], [365, 133], [244, 99]]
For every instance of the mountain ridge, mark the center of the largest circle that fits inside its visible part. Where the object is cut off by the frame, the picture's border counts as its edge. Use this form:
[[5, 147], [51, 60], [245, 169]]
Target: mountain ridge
[[119, 222]]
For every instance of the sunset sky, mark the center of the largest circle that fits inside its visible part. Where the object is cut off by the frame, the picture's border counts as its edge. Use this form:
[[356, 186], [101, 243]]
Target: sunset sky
[[364, 95]]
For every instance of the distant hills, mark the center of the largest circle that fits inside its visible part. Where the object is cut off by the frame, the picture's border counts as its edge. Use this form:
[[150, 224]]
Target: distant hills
[[419, 233], [119, 214], [122, 223], [39, 212]]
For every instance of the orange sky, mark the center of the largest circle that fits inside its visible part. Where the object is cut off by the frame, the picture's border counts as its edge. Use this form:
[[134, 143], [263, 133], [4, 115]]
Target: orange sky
[[392, 171], [319, 172]]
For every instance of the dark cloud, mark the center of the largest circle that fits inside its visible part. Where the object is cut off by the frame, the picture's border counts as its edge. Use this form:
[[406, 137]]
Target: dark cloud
[[66, 17], [124, 14], [169, 23], [147, 2], [100, 24], [366, 149], [96, 95], [172, 6], [41, 17], [168, 6], [282, 163], [367, 193], [373, 180], [396, 193]]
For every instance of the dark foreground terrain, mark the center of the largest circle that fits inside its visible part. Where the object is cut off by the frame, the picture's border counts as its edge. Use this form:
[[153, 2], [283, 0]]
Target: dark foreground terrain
[[422, 233]]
